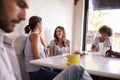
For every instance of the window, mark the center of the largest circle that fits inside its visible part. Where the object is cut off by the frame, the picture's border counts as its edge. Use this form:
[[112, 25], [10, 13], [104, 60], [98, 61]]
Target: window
[[97, 14]]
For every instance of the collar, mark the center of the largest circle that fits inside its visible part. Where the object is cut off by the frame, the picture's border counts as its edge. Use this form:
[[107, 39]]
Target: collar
[[4, 39]]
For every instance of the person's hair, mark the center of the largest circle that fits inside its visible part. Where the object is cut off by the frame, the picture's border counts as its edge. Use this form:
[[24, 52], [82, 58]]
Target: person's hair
[[64, 40], [1, 4], [32, 23], [106, 29]]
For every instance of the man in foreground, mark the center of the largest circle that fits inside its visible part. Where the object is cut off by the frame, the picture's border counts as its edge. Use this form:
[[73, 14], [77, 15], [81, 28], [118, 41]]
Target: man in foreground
[[12, 12]]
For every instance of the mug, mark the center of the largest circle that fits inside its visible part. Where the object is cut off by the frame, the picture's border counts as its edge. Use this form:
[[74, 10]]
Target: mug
[[72, 59]]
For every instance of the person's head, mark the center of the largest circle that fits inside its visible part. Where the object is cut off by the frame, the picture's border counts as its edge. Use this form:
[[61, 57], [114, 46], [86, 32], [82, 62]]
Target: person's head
[[34, 24], [12, 12], [105, 31], [59, 33]]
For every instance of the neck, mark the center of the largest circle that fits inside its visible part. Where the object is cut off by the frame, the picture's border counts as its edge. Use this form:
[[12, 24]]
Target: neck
[[102, 39], [36, 31], [60, 39]]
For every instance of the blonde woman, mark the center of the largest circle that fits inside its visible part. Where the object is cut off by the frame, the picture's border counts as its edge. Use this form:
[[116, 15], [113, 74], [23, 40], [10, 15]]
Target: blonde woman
[[59, 44]]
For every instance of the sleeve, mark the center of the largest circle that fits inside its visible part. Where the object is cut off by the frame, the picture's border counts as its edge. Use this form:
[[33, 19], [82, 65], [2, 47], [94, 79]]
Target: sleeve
[[73, 72], [52, 43], [4, 73], [96, 42]]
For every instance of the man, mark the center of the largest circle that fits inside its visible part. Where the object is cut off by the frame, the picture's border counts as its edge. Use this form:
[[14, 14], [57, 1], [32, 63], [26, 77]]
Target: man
[[12, 12]]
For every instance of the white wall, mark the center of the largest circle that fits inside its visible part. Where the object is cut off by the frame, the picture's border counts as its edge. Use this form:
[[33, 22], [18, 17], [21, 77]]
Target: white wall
[[78, 26], [53, 13]]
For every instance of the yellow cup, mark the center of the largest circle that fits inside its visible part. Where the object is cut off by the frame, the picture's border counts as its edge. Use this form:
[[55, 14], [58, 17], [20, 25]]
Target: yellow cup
[[72, 59]]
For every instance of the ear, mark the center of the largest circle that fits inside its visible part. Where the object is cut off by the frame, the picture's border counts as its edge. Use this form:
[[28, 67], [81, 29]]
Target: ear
[[38, 24]]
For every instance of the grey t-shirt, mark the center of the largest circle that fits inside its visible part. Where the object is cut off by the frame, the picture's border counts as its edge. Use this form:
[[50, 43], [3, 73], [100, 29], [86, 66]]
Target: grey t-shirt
[[58, 50]]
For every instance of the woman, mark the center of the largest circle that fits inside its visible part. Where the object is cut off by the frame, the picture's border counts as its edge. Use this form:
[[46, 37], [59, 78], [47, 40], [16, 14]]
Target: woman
[[59, 44], [34, 49], [105, 33]]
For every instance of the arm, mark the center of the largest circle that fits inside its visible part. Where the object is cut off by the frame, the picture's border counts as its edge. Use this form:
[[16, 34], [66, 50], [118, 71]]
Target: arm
[[51, 48], [94, 48], [34, 38], [73, 72], [43, 42], [94, 44]]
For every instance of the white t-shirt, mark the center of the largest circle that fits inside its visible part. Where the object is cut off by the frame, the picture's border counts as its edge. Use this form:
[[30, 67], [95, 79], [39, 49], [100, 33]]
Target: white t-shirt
[[107, 42], [58, 50]]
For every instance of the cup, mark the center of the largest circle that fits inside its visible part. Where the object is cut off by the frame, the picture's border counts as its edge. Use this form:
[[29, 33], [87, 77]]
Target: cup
[[72, 59], [102, 49], [105, 49]]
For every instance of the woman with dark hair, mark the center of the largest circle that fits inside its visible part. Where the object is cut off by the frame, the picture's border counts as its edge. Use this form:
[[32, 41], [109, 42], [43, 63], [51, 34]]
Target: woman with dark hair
[[59, 44], [105, 33], [34, 49]]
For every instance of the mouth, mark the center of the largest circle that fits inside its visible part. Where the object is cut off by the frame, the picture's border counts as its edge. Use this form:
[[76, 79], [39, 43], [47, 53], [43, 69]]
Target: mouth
[[14, 22]]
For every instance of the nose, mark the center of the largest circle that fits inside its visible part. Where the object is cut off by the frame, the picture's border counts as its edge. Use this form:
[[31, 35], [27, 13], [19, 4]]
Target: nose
[[22, 14]]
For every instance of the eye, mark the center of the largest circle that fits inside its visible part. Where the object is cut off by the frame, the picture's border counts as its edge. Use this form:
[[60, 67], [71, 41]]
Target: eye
[[22, 4]]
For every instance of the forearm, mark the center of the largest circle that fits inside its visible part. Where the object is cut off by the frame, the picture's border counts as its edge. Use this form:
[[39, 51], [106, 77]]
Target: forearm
[[43, 42], [51, 51]]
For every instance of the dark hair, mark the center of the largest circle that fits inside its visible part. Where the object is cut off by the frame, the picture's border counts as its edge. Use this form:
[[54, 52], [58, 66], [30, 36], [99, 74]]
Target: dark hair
[[106, 29], [32, 23], [64, 40]]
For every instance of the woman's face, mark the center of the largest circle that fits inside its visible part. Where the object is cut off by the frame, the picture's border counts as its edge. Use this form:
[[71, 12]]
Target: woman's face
[[104, 35], [59, 33], [39, 27]]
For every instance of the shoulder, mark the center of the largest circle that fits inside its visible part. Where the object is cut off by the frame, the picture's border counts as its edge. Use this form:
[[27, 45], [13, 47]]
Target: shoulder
[[68, 41], [52, 42], [33, 37], [108, 39], [96, 39]]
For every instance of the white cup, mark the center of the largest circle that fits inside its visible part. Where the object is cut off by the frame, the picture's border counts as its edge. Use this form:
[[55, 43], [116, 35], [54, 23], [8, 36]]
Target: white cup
[[102, 49]]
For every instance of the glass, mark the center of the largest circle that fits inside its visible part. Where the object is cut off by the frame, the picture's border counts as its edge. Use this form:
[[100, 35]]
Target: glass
[[103, 49], [76, 48]]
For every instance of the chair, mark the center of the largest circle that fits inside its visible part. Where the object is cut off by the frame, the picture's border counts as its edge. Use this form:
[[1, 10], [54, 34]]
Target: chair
[[19, 45], [47, 51]]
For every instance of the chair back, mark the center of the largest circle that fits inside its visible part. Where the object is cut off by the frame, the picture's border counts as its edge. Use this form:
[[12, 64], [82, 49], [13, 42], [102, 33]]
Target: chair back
[[19, 45]]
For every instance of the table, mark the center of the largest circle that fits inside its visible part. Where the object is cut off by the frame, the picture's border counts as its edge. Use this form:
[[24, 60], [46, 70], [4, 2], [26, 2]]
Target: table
[[94, 63]]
